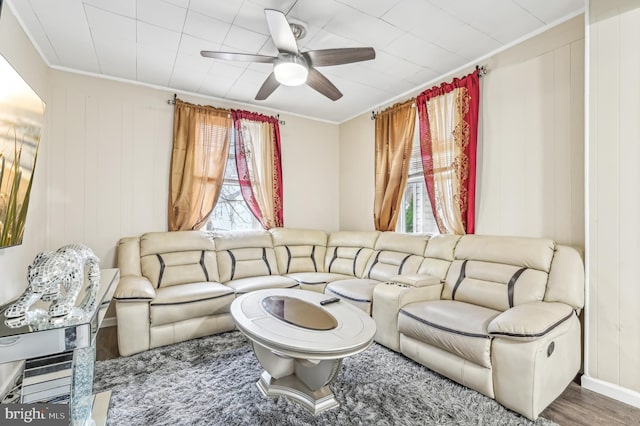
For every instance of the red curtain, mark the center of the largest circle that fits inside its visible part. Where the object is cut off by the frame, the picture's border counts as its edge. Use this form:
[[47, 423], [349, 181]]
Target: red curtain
[[247, 173], [464, 162]]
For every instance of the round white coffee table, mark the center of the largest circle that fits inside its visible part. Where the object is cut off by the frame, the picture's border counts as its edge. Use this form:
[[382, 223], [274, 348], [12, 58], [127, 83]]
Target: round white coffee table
[[301, 343]]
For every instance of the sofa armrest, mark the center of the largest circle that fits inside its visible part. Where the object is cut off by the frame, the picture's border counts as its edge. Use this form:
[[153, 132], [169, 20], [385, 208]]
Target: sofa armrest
[[417, 280], [530, 321], [134, 288], [388, 299], [132, 297]]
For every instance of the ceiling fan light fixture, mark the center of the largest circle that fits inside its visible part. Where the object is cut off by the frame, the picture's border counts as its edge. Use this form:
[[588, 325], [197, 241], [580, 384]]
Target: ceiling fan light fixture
[[291, 70]]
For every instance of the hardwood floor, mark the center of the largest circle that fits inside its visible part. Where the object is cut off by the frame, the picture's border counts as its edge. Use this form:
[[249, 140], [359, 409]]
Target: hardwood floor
[[575, 407], [107, 344], [579, 406]]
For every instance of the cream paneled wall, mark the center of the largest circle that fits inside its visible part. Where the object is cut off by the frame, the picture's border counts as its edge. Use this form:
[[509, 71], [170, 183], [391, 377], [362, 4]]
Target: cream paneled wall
[[108, 171], [531, 176], [111, 150], [531, 152], [310, 173], [613, 344], [357, 175]]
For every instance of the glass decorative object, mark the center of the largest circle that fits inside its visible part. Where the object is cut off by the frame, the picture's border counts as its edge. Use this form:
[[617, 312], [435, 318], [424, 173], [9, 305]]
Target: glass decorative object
[[57, 277], [57, 357]]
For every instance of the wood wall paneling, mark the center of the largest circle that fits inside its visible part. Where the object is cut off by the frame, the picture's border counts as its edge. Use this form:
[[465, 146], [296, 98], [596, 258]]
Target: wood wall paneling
[[577, 83], [606, 199], [110, 169], [614, 149], [629, 118], [532, 151]]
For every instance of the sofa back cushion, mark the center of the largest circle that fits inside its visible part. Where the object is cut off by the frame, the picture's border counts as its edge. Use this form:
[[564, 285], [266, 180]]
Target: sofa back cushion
[[299, 250], [499, 272], [394, 254], [438, 255], [244, 254], [348, 252], [129, 256], [172, 258], [566, 278]]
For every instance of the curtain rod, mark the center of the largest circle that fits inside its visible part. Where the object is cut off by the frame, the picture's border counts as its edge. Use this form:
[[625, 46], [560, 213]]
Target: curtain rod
[[480, 69], [375, 113], [175, 97]]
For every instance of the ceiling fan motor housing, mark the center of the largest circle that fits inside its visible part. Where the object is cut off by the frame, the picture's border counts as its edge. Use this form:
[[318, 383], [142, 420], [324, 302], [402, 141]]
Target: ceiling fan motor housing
[[291, 70]]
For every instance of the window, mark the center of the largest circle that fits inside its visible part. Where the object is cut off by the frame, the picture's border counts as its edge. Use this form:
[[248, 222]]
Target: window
[[231, 211], [417, 216]]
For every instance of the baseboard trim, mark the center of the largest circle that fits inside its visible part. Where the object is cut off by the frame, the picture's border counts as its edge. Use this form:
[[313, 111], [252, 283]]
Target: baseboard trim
[[616, 392], [109, 322]]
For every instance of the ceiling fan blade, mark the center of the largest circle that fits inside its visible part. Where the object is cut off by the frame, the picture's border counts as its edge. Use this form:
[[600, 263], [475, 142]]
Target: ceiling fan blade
[[327, 57], [281, 32], [267, 88], [320, 83], [241, 57]]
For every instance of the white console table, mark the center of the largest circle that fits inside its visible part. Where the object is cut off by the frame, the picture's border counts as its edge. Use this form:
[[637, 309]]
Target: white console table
[[58, 360]]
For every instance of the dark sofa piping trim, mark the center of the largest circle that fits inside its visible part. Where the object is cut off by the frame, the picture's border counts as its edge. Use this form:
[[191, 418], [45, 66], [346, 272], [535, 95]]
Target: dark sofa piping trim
[[313, 257], [192, 301], [288, 258], [266, 261], [542, 333], [162, 266], [348, 297], [355, 260], [233, 264], [371, 267], [463, 274], [335, 256], [511, 285], [204, 267], [402, 264], [129, 299]]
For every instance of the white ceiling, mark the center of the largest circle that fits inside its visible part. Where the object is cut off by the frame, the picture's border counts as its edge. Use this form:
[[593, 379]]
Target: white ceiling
[[158, 42]]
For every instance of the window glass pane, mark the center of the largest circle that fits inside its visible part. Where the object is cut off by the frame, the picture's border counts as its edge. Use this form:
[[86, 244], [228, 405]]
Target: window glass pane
[[417, 215], [231, 211]]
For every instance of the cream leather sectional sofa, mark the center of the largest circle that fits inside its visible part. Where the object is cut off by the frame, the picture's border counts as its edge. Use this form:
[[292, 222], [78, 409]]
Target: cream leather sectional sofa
[[496, 314]]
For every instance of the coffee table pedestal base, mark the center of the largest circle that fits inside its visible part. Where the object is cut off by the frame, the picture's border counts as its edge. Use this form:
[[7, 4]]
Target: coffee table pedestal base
[[291, 387]]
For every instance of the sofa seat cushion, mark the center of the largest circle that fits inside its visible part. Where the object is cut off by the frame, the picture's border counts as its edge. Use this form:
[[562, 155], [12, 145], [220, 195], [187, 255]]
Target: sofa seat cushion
[[246, 285], [357, 291], [320, 279], [186, 301], [456, 327]]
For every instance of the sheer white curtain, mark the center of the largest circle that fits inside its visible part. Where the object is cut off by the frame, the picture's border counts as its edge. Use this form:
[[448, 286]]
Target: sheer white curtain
[[258, 162], [448, 116], [448, 154]]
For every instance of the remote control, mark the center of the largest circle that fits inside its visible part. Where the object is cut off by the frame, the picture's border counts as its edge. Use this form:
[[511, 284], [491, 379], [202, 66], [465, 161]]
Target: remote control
[[327, 301]]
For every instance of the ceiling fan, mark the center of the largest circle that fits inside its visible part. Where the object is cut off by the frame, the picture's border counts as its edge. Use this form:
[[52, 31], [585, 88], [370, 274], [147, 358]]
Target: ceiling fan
[[292, 67]]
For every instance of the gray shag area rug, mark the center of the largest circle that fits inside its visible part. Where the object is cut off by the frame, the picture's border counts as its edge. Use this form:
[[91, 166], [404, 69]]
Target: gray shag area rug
[[212, 381]]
